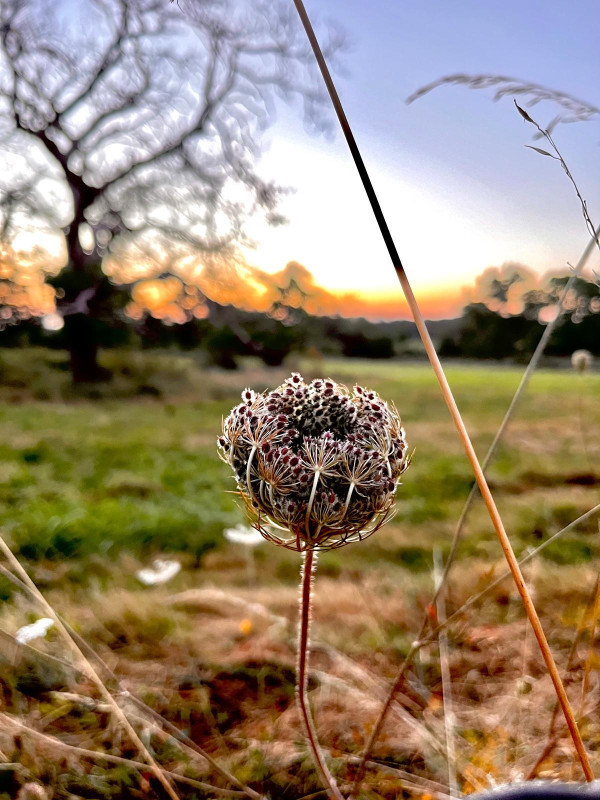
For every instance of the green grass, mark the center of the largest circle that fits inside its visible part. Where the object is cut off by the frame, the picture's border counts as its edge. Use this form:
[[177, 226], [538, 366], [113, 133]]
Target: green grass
[[142, 476], [90, 489]]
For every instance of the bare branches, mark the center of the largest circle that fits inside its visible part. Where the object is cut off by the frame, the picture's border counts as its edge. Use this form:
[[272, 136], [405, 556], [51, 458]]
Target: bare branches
[[141, 102]]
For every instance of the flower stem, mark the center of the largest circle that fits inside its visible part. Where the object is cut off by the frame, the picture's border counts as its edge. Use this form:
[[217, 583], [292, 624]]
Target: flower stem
[[309, 563]]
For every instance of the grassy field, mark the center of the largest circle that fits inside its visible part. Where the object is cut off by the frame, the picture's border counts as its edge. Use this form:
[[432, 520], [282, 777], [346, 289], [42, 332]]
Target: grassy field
[[91, 491]]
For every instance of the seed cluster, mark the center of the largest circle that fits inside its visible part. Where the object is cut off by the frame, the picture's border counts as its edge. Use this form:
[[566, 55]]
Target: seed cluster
[[314, 461]]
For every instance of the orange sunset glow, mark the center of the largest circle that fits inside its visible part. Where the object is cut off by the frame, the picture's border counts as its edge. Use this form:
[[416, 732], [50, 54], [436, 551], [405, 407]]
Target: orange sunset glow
[[181, 295], [176, 298]]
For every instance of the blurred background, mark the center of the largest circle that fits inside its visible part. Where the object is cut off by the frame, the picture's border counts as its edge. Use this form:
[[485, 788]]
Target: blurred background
[[180, 219]]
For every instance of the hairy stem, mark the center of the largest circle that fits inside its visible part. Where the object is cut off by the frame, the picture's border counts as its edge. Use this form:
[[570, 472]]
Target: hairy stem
[[302, 676]]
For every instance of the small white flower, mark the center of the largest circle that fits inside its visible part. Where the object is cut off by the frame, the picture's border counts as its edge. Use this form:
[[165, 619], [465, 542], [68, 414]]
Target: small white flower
[[163, 571], [243, 534], [36, 630]]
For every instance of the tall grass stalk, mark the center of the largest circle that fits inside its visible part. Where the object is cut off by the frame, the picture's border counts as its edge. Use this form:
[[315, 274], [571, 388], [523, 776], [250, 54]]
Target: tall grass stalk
[[553, 736], [517, 704], [523, 384], [87, 669], [109, 758], [456, 417], [155, 717], [546, 134], [489, 456], [449, 719]]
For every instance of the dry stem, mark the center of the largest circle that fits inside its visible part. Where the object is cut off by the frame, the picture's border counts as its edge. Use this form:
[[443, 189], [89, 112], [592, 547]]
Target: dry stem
[[178, 734], [524, 382], [454, 412], [88, 669], [97, 755]]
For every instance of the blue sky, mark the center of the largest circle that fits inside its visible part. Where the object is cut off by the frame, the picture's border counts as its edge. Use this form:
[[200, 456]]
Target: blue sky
[[460, 190]]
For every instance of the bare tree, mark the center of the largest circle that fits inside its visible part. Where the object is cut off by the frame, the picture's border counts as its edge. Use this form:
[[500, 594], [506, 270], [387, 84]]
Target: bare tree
[[135, 125]]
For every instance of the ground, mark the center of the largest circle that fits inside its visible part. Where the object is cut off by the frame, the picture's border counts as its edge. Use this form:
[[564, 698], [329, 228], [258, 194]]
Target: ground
[[90, 490]]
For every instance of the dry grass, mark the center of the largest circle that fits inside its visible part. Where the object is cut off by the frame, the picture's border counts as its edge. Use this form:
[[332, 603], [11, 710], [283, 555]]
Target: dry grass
[[220, 664], [215, 656]]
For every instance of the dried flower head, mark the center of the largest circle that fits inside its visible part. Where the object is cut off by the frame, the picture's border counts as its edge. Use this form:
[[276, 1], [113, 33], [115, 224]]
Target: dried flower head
[[581, 360], [318, 464]]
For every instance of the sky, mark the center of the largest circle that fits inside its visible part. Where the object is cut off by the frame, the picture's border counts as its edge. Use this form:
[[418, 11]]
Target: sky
[[460, 190]]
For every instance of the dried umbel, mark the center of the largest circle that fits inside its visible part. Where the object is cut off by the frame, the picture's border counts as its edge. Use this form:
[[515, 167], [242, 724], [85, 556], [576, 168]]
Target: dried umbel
[[317, 466], [581, 360]]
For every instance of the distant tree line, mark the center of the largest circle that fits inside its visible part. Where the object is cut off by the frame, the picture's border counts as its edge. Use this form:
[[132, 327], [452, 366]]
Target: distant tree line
[[488, 331], [230, 333], [485, 331]]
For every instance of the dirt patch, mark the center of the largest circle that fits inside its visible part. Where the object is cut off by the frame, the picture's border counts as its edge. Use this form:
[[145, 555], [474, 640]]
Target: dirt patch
[[535, 480]]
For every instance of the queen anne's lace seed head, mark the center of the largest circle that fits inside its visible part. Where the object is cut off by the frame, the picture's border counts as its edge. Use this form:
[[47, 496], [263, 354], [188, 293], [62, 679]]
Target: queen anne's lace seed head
[[318, 464], [581, 360]]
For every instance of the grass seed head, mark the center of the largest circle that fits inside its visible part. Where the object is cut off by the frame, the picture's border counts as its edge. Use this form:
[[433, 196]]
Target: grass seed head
[[581, 360], [317, 465]]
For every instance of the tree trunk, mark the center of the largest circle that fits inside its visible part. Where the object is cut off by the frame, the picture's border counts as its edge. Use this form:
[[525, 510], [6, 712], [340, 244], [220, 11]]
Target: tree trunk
[[81, 343], [80, 327]]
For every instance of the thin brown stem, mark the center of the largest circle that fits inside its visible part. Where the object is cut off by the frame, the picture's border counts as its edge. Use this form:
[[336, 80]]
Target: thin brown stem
[[96, 755], [451, 404], [524, 382], [553, 737], [539, 350], [178, 734], [88, 669], [308, 724]]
